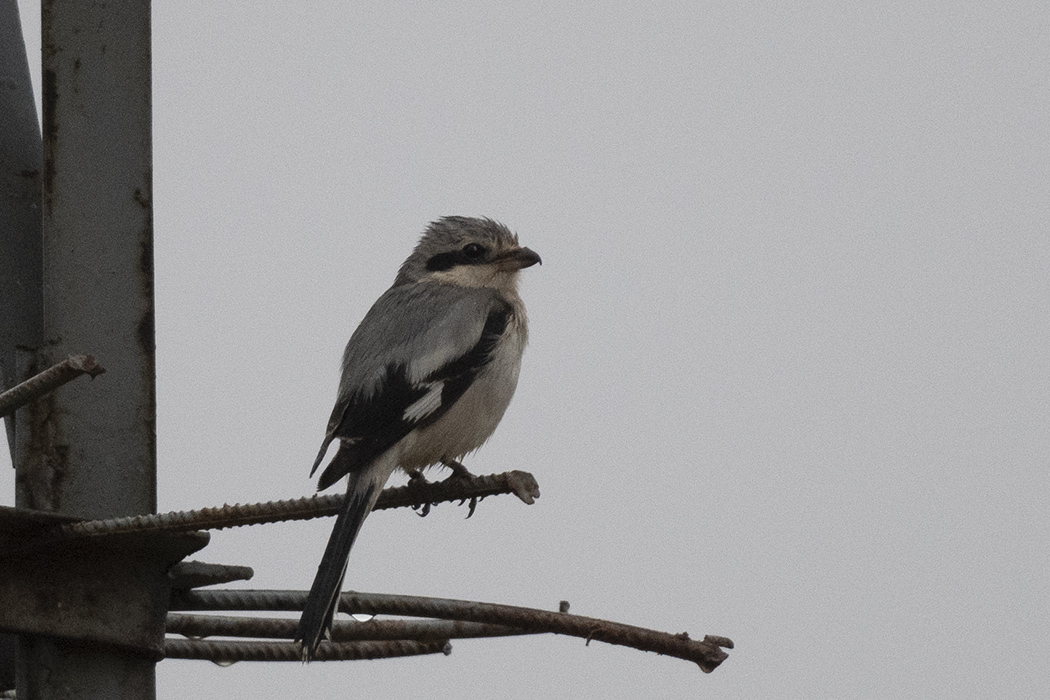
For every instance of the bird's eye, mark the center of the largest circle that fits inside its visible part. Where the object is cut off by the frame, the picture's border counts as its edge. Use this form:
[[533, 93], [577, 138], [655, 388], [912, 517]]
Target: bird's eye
[[473, 251]]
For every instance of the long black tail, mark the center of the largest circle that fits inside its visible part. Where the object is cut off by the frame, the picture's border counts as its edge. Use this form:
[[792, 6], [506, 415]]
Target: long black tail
[[323, 600]]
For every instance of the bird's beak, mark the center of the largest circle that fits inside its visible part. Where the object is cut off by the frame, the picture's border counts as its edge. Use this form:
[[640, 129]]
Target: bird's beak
[[519, 259]]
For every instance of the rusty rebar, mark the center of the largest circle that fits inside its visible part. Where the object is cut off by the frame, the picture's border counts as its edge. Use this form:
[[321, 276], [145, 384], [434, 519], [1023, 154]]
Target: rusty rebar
[[196, 574], [231, 652], [199, 626], [706, 653], [521, 484], [47, 381]]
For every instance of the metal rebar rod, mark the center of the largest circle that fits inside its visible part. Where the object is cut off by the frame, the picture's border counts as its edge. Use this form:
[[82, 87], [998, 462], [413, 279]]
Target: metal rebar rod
[[230, 652], [47, 381], [707, 653], [342, 631], [521, 484]]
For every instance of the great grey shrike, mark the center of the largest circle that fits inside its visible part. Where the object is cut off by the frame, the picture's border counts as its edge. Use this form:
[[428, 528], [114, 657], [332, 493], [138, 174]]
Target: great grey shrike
[[426, 379]]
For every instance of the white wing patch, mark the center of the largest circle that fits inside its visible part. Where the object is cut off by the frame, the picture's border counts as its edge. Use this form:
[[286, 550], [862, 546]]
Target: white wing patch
[[426, 404]]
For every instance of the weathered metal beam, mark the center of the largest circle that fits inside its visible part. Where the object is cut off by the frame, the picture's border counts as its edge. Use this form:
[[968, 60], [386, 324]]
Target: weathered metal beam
[[92, 449], [21, 158], [100, 456], [65, 589], [21, 306], [96, 594]]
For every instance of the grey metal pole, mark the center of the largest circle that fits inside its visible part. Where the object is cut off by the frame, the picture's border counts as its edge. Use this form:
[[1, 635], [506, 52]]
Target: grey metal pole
[[21, 308], [98, 254], [20, 164], [97, 458]]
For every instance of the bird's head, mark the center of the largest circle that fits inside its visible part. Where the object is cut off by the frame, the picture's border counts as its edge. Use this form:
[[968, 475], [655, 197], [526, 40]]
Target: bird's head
[[467, 252]]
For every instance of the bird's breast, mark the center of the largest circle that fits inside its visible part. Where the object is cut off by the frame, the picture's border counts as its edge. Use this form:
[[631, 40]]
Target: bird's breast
[[470, 421]]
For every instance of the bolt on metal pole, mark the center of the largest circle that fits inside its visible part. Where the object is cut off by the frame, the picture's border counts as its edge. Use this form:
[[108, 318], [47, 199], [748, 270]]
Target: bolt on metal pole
[[95, 455]]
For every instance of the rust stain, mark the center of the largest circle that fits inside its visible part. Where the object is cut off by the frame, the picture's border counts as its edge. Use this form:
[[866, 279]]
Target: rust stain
[[145, 333], [50, 124], [142, 198], [146, 330], [46, 463]]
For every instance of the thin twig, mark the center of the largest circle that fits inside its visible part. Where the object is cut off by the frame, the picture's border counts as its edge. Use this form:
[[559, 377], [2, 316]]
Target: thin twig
[[707, 653], [521, 484], [342, 631], [231, 652], [47, 381]]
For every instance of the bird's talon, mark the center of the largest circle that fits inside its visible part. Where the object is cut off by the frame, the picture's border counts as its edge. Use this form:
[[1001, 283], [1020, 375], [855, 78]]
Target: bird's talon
[[473, 507]]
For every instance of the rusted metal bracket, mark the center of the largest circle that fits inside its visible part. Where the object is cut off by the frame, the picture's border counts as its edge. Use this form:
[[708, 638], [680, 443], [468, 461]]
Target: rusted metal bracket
[[110, 591]]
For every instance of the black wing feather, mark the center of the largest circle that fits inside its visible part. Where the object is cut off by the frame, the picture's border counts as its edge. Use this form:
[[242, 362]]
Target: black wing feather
[[369, 427]]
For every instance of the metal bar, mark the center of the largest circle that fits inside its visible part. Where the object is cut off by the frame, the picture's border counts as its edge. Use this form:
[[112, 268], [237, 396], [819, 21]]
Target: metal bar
[[47, 381], [231, 652], [98, 254], [413, 495], [21, 305], [96, 453], [342, 631], [93, 593], [706, 653], [194, 574], [21, 158]]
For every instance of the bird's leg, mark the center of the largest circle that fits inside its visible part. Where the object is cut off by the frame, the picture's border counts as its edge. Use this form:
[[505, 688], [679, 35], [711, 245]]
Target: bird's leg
[[416, 478], [458, 470]]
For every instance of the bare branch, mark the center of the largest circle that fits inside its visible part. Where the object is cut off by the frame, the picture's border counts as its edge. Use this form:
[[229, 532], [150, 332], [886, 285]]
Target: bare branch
[[230, 652], [47, 381], [521, 484], [707, 653]]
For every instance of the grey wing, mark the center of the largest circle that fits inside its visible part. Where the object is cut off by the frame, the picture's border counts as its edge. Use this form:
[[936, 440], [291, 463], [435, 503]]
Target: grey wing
[[414, 354]]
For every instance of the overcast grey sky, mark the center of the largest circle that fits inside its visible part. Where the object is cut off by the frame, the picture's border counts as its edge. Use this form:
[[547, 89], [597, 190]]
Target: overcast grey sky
[[788, 378]]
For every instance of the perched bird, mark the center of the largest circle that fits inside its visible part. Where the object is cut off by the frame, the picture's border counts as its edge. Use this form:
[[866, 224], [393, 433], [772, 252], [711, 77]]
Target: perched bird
[[426, 378]]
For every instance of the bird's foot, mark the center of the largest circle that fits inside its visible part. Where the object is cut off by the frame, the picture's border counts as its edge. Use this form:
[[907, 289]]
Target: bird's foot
[[461, 473], [416, 480]]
